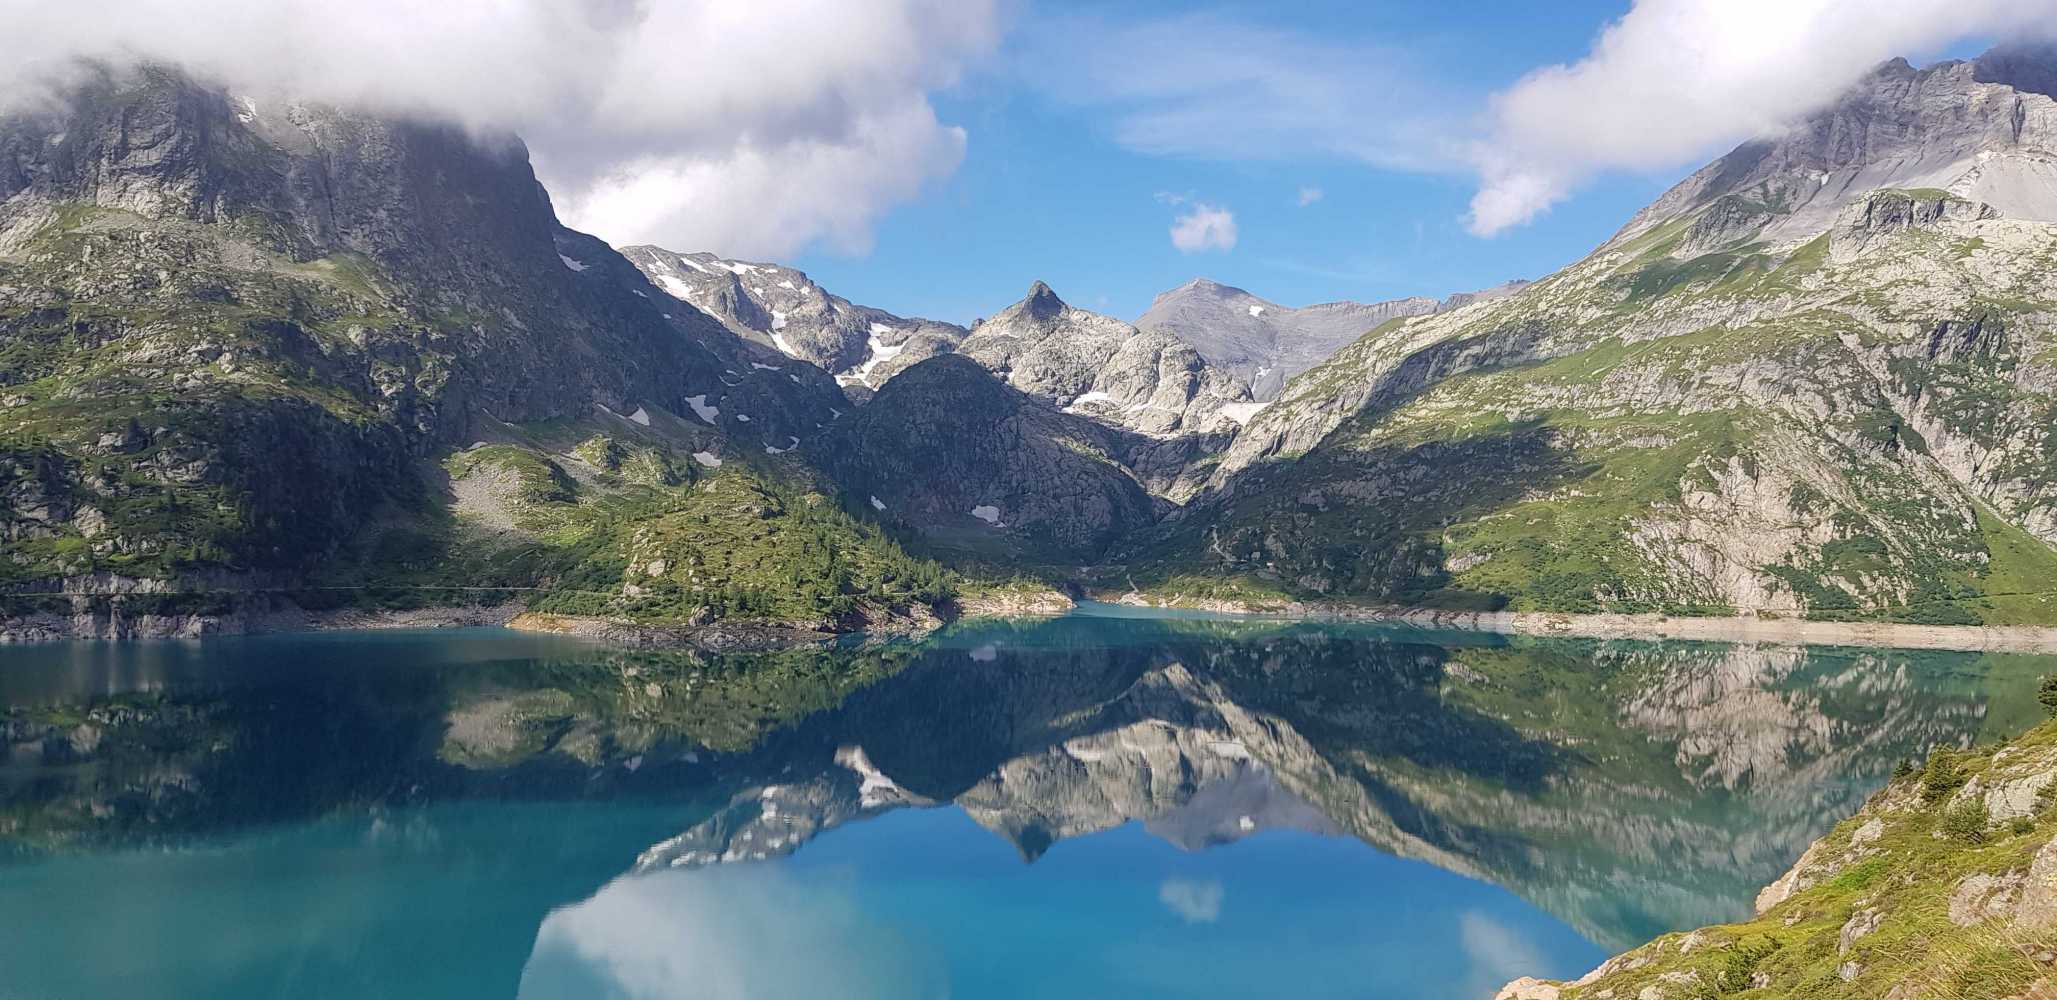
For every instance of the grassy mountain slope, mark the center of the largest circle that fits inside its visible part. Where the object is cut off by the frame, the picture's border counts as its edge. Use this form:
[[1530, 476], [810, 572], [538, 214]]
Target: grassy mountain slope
[[1853, 426], [243, 343], [1944, 884], [1817, 378]]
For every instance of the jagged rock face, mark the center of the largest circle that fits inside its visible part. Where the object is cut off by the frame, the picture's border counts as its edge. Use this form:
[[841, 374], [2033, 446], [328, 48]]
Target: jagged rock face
[[235, 324], [1985, 130], [1182, 408], [1266, 344], [1097, 366], [1105, 369], [947, 449], [1750, 400], [782, 308]]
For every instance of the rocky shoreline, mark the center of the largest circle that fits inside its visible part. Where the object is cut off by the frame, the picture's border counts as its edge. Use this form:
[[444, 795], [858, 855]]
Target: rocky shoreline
[[258, 613], [717, 637], [60, 627], [912, 622], [1967, 638]]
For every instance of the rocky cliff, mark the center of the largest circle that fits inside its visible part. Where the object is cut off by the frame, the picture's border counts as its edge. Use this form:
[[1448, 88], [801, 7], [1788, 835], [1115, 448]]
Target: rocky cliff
[[1105, 369], [1126, 378], [780, 307]]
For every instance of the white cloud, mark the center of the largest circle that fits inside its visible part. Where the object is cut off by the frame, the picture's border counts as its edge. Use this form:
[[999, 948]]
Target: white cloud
[[758, 202], [1193, 902], [1670, 84], [723, 933], [1496, 954], [1204, 227], [1676, 80], [1310, 195], [814, 112]]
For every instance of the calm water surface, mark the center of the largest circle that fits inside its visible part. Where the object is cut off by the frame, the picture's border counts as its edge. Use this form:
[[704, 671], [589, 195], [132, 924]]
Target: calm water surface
[[1092, 806]]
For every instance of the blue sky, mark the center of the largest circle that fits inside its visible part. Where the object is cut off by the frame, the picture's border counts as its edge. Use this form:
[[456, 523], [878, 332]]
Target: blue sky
[[1046, 191], [1089, 128]]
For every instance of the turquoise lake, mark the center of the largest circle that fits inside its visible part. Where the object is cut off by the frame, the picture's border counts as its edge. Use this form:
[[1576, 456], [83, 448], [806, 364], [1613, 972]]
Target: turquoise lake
[[1086, 806]]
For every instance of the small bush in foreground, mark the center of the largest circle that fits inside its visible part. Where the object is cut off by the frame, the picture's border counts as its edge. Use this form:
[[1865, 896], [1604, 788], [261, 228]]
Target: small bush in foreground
[[1967, 822]]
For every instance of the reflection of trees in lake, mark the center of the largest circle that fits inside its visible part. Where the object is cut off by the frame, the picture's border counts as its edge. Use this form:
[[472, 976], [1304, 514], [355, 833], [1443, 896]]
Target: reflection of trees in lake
[[1628, 787]]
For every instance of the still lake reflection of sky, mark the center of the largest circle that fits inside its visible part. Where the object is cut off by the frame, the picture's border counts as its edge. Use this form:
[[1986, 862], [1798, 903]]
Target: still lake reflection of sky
[[926, 904], [1092, 806]]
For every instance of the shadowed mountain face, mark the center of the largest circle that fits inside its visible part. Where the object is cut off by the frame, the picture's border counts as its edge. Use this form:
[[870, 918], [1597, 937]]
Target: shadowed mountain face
[[235, 329], [970, 463], [1628, 788]]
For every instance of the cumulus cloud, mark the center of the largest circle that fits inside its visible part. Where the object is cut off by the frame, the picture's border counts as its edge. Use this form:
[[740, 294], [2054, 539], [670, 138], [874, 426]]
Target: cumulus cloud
[[1310, 195], [1193, 902], [1675, 80], [1204, 227], [751, 127]]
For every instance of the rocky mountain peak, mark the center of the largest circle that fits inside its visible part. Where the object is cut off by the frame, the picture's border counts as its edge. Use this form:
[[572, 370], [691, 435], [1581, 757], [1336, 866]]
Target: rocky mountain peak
[[2029, 67], [1983, 130], [783, 309], [1204, 286], [1043, 303], [1261, 342]]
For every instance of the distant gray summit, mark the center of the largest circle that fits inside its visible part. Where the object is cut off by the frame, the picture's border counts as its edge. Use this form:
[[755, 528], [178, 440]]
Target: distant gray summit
[[1068, 358], [1264, 343], [1138, 380]]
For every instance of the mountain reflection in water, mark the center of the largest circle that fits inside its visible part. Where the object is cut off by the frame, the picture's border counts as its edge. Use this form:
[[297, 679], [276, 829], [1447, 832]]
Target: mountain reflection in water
[[433, 814]]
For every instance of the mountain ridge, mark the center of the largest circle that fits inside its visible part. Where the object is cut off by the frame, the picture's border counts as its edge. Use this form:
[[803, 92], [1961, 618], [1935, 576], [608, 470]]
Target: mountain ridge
[[1732, 407], [292, 344], [258, 349], [1267, 344]]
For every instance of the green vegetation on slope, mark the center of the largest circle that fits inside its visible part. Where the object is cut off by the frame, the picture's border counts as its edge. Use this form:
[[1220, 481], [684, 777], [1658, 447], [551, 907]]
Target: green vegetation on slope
[[654, 540], [1945, 884], [1670, 432]]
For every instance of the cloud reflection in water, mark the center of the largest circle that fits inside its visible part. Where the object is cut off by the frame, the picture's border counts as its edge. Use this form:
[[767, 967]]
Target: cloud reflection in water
[[727, 933]]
